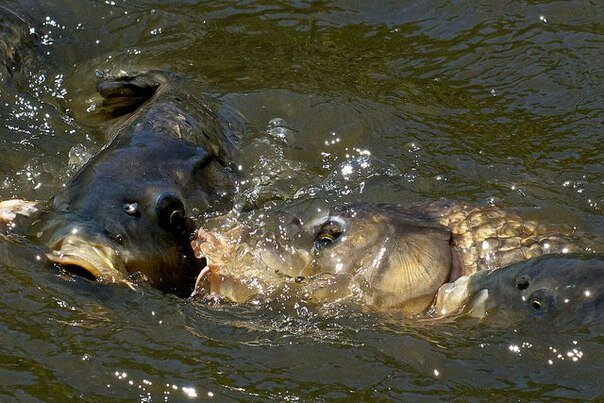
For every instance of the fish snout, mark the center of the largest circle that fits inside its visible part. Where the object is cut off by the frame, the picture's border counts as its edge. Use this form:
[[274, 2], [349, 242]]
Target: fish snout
[[82, 248], [172, 215]]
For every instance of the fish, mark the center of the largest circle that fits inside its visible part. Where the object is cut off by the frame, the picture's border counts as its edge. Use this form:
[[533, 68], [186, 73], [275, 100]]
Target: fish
[[555, 289], [19, 47], [10, 209], [389, 256], [130, 209]]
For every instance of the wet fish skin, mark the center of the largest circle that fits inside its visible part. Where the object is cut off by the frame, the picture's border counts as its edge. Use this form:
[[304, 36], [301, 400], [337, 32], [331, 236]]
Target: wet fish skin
[[488, 237], [128, 209], [555, 289], [401, 254], [19, 47], [393, 256], [397, 257]]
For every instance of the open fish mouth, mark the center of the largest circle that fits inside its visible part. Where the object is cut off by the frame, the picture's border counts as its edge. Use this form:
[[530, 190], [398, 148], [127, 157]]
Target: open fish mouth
[[100, 261]]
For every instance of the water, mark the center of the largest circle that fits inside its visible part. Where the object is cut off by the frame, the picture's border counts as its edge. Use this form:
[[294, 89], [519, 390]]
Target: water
[[481, 102]]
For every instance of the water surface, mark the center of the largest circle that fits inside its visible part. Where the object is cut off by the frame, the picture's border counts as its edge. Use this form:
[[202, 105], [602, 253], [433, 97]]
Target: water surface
[[479, 102]]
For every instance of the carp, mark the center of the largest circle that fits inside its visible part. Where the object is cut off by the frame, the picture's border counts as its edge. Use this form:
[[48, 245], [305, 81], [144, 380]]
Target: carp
[[128, 210], [556, 289], [389, 256]]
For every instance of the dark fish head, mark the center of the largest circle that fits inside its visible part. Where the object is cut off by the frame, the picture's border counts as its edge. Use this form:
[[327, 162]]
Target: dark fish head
[[130, 213], [125, 234], [556, 288], [128, 209], [400, 260]]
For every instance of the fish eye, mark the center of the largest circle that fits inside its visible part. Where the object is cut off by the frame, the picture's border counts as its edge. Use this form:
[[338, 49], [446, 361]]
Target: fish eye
[[541, 301], [119, 238], [171, 212], [328, 233], [523, 282], [132, 208]]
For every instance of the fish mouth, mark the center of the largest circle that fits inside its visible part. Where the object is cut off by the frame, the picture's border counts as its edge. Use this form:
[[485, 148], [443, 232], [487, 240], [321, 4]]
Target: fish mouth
[[100, 261]]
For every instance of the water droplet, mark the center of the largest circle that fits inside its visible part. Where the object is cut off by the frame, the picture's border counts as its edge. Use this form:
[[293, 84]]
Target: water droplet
[[190, 392], [78, 156], [277, 128]]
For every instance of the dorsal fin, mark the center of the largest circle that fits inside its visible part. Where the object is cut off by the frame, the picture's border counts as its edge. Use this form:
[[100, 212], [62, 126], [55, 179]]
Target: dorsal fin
[[124, 94]]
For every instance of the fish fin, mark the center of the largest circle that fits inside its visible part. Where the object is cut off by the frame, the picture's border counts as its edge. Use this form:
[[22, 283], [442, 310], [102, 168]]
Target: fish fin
[[9, 209], [124, 94], [451, 297], [479, 305]]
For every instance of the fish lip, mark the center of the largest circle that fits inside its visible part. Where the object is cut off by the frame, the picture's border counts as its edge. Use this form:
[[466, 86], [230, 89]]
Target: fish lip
[[100, 260]]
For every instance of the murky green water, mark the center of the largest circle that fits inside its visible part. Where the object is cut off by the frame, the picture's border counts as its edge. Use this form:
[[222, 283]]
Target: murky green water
[[482, 102]]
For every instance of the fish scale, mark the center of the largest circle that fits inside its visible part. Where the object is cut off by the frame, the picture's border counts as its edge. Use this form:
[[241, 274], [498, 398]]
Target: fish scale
[[397, 255], [489, 237]]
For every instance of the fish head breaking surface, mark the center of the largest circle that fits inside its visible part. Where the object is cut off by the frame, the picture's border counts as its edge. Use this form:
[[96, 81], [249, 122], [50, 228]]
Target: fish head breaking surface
[[129, 208], [556, 289], [398, 259]]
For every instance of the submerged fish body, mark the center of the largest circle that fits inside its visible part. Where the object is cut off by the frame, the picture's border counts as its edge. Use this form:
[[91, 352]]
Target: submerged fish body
[[390, 256], [128, 209], [16, 46], [557, 289]]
